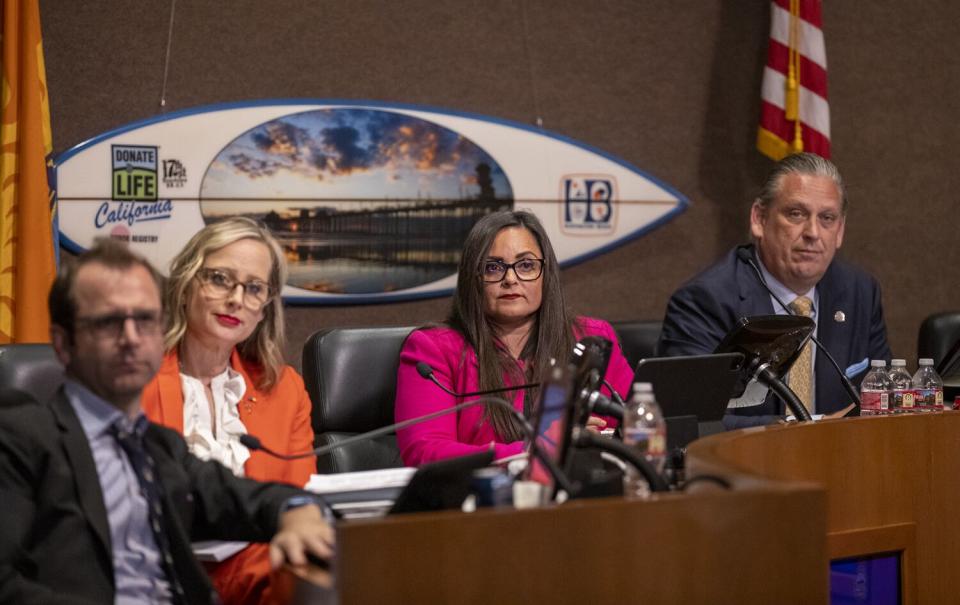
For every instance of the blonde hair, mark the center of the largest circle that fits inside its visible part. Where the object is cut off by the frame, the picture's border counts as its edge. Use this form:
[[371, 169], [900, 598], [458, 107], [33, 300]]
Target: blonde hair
[[265, 345]]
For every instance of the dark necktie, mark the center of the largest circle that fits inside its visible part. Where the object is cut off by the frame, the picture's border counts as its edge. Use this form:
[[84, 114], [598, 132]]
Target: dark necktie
[[142, 463]]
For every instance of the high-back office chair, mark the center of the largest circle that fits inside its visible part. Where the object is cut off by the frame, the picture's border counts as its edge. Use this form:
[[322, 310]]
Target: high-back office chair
[[31, 368], [638, 338], [351, 376], [938, 335]]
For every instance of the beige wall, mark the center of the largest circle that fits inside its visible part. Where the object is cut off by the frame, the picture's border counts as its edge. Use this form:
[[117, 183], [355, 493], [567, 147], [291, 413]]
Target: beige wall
[[670, 86]]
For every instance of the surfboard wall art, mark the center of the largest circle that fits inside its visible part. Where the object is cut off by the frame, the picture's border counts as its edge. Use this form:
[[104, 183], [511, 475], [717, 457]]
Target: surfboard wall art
[[370, 201]]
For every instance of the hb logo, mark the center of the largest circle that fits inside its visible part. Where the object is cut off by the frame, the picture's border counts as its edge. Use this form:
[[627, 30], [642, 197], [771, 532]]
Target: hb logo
[[589, 202], [134, 172]]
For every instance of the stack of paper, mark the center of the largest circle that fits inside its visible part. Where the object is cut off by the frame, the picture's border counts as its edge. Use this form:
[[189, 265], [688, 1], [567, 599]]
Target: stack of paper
[[363, 493]]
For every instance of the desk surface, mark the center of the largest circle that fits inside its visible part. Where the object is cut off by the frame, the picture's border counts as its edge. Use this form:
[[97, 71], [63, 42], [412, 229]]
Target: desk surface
[[711, 547]]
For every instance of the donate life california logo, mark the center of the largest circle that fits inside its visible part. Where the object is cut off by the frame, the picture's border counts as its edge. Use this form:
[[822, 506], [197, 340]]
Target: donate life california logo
[[370, 201], [134, 172], [134, 190]]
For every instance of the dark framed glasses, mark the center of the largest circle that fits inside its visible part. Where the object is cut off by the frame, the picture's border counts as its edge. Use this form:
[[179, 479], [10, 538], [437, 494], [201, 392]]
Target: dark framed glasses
[[103, 327], [256, 294], [526, 269]]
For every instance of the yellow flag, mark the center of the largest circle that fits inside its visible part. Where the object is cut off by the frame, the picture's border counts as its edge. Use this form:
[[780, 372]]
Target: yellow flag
[[27, 254]]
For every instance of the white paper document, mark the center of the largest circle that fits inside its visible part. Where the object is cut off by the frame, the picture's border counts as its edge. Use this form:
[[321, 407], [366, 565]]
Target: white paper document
[[360, 480], [215, 551]]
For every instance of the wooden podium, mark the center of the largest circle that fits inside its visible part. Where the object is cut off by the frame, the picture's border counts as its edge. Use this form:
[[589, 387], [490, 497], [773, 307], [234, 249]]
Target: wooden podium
[[762, 542], [892, 484]]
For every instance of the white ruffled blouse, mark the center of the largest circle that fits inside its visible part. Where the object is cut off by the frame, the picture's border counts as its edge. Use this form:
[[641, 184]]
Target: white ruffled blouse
[[228, 389]]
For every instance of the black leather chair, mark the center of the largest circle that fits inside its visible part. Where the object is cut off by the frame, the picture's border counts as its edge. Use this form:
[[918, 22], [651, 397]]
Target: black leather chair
[[939, 333], [351, 376], [638, 338], [31, 368]]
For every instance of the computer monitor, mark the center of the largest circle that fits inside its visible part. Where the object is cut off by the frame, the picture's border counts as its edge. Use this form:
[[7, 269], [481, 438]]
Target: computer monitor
[[553, 420], [693, 385], [440, 485]]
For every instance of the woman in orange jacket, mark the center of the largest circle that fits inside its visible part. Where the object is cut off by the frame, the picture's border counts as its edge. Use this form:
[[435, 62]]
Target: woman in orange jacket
[[224, 375]]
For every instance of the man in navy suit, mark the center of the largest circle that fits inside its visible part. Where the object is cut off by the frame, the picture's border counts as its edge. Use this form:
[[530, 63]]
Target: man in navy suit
[[797, 225]]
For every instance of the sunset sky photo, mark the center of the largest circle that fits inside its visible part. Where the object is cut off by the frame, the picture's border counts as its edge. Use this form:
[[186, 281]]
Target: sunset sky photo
[[338, 157]]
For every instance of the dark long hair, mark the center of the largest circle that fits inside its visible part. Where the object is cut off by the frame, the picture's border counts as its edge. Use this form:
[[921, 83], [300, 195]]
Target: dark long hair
[[552, 334]]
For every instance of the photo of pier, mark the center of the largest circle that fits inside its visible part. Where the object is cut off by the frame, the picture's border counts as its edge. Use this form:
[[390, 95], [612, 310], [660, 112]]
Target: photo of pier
[[363, 201]]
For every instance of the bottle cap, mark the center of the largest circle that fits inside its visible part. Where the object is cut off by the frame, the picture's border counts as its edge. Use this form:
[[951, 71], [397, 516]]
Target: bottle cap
[[878, 363], [898, 363], [926, 361], [642, 387]]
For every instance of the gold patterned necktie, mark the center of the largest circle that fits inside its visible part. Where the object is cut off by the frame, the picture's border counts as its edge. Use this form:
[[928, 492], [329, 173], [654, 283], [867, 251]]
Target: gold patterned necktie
[[801, 374]]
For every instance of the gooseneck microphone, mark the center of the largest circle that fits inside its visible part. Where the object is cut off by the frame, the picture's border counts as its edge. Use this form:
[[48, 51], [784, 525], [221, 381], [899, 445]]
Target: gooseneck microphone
[[614, 395], [255, 444], [588, 439], [767, 377], [589, 360], [744, 255], [424, 369]]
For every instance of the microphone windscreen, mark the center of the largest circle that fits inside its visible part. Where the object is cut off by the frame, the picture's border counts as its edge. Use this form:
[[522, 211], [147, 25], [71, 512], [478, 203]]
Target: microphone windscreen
[[424, 369], [250, 442], [744, 255]]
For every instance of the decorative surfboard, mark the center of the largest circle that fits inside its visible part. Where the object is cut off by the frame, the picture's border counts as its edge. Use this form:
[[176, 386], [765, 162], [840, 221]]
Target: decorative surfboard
[[370, 201]]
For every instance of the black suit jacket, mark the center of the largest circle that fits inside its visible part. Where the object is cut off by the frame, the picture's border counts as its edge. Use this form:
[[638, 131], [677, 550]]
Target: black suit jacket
[[54, 534], [707, 307]]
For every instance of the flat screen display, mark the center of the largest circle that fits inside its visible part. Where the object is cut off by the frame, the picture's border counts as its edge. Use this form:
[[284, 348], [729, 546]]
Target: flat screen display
[[553, 416], [866, 580]]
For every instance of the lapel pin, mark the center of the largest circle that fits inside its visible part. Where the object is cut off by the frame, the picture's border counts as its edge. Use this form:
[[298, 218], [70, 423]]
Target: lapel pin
[[839, 317]]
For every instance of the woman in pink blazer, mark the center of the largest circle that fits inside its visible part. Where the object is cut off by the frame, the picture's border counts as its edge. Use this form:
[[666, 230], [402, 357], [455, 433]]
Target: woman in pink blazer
[[508, 321]]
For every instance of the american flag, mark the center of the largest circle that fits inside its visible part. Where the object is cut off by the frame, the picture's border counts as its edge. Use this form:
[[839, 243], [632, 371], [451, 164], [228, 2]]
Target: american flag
[[794, 112]]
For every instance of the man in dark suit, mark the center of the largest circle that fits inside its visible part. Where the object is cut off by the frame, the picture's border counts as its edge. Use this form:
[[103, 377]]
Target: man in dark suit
[[797, 224], [99, 505]]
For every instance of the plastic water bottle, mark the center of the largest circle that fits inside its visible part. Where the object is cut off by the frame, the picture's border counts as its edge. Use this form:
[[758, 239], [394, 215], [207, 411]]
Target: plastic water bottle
[[928, 387], [903, 399], [875, 390], [645, 430]]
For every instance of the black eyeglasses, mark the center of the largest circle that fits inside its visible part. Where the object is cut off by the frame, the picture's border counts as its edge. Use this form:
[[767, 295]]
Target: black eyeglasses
[[256, 294], [526, 269], [105, 327]]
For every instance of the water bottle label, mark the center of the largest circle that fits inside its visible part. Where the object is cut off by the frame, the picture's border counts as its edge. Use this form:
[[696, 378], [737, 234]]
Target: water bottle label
[[903, 399], [648, 440], [658, 444], [874, 400], [929, 398]]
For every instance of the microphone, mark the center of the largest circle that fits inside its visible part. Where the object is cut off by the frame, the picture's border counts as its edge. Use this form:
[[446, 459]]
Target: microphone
[[426, 371], [254, 443], [744, 255], [600, 404], [614, 395], [590, 358]]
